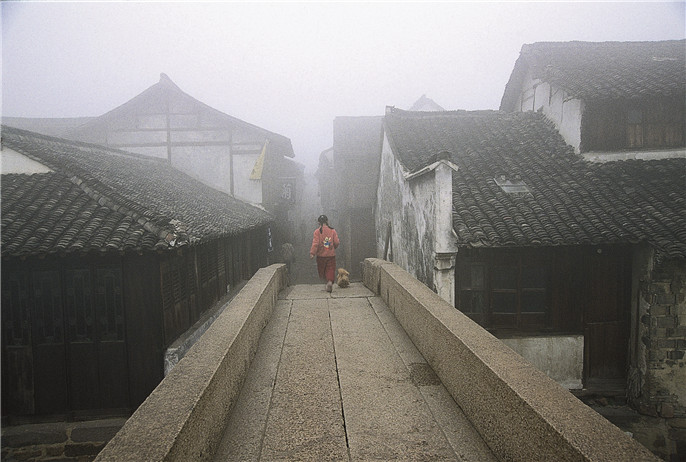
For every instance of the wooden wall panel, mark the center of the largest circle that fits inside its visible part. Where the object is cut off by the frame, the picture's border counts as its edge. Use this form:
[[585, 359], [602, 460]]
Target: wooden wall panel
[[144, 333]]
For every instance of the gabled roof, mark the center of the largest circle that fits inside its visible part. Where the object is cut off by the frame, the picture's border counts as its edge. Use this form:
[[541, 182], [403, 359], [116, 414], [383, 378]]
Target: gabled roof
[[519, 185], [602, 70], [426, 104], [165, 90], [101, 199], [418, 138]]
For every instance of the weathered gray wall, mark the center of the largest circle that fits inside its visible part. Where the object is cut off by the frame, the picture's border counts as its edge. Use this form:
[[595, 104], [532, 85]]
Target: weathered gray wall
[[13, 162], [410, 209], [565, 113], [561, 357]]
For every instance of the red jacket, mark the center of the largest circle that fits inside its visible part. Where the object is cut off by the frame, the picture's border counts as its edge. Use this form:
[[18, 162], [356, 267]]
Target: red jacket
[[324, 243]]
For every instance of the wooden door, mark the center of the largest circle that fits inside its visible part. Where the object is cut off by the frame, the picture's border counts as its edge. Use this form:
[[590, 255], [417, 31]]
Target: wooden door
[[606, 317]]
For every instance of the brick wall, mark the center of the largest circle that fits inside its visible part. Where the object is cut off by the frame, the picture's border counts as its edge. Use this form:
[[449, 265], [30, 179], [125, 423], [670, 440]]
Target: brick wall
[[662, 330]]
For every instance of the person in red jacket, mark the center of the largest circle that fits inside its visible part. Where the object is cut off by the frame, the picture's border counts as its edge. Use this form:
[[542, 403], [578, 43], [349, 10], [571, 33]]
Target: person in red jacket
[[324, 244]]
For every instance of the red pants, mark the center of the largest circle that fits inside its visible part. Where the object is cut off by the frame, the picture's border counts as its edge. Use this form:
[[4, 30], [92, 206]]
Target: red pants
[[326, 267]]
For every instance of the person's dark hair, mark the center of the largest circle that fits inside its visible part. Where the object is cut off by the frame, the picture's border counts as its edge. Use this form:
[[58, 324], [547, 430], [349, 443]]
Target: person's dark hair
[[323, 220]]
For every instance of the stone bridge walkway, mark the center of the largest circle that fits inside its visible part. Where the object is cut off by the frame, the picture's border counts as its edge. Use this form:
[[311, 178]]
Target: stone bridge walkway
[[335, 377]]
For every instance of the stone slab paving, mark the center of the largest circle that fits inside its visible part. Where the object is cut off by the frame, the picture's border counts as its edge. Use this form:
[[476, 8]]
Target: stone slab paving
[[335, 377]]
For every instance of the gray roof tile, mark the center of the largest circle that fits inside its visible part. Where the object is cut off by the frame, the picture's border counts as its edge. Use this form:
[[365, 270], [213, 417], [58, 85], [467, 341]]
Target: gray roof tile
[[101, 199], [602, 70], [571, 201]]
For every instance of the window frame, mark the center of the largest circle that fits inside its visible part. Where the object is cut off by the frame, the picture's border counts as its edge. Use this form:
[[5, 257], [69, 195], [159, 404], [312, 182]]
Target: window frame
[[495, 286]]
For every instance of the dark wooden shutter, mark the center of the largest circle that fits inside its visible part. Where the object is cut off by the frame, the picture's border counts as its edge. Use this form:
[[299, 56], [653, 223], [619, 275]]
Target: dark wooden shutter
[[84, 388], [17, 362], [48, 343], [113, 366]]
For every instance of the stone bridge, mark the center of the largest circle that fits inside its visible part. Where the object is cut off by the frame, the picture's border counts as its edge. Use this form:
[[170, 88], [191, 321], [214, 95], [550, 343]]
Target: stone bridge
[[382, 370]]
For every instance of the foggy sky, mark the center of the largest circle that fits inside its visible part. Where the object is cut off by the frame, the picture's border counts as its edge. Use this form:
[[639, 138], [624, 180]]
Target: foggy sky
[[293, 67]]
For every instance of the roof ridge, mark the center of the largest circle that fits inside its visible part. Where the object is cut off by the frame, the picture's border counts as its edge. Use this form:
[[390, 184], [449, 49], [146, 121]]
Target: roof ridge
[[605, 42], [392, 110], [165, 83]]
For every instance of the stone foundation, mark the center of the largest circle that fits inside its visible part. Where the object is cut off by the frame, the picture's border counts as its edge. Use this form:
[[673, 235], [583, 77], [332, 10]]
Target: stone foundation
[[63, 441]]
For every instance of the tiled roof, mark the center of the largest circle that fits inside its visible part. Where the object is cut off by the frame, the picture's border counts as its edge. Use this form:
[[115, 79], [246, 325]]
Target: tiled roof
[[570, 201], [158, 96], [103, 199], [602, 70]]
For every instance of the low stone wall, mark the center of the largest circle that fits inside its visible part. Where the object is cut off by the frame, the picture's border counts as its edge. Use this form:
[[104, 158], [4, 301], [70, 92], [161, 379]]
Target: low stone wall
[[520, 412], [184, 417]]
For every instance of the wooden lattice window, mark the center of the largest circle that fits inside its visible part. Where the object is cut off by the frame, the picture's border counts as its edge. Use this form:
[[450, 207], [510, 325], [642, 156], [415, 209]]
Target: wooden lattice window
[[221, 255], [204, 257], [510, 293]]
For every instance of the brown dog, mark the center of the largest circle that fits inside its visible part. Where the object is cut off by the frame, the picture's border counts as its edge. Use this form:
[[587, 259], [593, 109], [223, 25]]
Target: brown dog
[[342, 279]]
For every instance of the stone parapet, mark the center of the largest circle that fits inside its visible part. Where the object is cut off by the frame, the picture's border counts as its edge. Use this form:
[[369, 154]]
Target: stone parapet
[[520, 412], [184, 417]]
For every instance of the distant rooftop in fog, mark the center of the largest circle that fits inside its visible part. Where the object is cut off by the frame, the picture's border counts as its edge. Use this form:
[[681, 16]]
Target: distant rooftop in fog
[[426, 104]]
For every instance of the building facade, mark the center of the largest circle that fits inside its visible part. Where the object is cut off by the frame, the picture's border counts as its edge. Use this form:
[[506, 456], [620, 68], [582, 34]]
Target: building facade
[[561, 258], [108, 257], [614, 102]]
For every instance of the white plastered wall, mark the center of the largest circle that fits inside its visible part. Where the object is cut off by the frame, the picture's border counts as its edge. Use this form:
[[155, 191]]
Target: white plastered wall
[[555, 103], [419, 211], [12, 161]]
